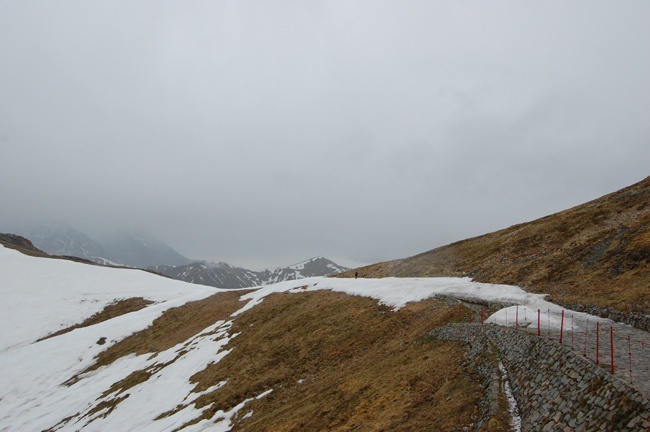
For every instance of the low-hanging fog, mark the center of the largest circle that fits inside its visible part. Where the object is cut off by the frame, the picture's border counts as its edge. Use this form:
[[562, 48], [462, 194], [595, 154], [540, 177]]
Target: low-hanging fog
[[264, 133]]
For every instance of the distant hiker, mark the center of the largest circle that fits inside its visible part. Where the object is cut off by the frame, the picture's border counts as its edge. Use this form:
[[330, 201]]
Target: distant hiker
[[356, 274]]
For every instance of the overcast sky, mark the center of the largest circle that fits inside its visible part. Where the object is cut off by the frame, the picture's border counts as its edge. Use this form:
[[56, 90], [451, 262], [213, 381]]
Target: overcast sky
[[264, 133]]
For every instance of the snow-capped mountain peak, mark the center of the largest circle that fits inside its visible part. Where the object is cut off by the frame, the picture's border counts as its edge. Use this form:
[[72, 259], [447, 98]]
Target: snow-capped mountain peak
[[223, 275]]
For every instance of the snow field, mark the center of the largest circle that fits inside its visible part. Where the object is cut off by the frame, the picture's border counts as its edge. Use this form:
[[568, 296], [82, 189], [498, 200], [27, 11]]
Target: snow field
[[45, 295]]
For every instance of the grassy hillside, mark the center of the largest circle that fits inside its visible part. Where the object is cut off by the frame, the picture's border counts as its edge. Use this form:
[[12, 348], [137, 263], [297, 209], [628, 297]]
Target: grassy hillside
[[293, 358], [597, 253], [336, 362]]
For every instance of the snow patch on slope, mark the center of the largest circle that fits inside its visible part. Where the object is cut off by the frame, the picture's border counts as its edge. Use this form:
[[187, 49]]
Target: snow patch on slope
[[43, 296]]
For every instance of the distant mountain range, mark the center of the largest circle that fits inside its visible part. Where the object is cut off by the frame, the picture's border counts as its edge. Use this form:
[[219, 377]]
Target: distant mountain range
[[222, 275], [138, 250], [123, 248]]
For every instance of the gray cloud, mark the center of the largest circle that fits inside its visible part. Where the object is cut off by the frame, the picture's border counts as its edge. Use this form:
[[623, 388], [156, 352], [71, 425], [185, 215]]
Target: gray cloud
[[263, 133]]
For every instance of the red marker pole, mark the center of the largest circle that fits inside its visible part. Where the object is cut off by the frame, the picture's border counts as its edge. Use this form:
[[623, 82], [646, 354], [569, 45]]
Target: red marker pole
[[562, 326], [572, 332], [629, 353], [470, 315], [525, 320], [517, 317], [598, 343], [539, 321], [584, 353], [611, 345], [482, 315]]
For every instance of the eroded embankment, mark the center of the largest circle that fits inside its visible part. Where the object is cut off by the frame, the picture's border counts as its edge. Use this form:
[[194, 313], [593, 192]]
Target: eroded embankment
[[554, 387]]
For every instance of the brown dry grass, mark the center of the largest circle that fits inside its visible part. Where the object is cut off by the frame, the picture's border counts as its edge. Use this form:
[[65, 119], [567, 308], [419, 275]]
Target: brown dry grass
[[174, 326], [363, 366], [597, 253], [335, 362], [120, 307], [21, 244]]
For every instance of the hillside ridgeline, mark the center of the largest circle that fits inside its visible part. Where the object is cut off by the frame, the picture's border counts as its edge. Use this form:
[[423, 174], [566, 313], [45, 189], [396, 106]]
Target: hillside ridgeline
[[597, 254]]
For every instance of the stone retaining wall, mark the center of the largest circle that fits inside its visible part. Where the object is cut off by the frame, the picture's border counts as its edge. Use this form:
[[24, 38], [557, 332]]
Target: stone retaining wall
[[555, 388]]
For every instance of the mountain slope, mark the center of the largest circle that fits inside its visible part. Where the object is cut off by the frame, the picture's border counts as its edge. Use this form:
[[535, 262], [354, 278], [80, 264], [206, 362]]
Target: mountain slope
[[292, 358], [222, 275], [597, 253], [45, 295], [56, 238], [219, 275], [17, 242], [140, 250], [312, 354]]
